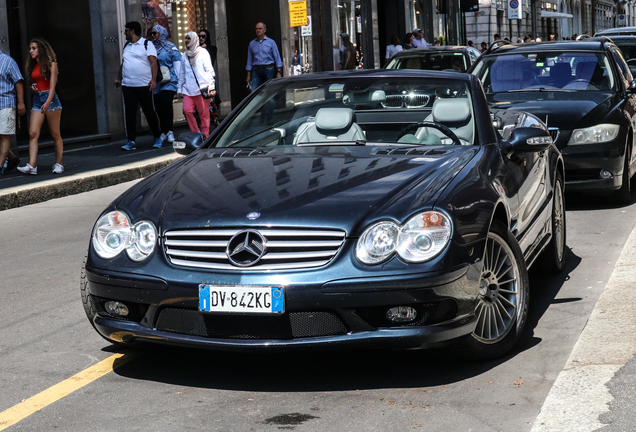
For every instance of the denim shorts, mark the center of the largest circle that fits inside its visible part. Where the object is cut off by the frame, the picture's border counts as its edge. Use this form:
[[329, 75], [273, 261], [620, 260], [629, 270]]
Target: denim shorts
[[39, 98]]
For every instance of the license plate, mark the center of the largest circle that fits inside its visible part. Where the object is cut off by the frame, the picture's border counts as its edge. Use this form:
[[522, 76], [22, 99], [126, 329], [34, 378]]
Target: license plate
[[251, 299]]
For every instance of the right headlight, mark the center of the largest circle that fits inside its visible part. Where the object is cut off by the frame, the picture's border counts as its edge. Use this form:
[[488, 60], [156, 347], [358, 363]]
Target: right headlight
[[595, 134], [113, 234], [420, 239]]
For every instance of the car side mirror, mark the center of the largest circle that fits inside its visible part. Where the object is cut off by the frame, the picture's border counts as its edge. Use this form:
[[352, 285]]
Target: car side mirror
[[529, 139], [188, 142], [632, 87]]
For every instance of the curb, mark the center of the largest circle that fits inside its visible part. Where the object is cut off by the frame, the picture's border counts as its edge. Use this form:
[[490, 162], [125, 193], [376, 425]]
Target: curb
[[579, 395], [77, 183]]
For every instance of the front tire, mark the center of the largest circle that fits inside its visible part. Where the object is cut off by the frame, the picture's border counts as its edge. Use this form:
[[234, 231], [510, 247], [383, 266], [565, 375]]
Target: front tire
[[88, 305], [502, 306], [552, 259], [624, 194]]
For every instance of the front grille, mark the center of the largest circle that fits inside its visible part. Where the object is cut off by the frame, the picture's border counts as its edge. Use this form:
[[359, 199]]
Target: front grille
[[406, 101], [284, 248], [554, 133], [288, 326], [416, 101]]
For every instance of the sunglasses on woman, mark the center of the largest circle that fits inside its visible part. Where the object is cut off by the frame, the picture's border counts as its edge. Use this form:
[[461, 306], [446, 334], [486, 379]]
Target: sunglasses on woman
[[202, 36]]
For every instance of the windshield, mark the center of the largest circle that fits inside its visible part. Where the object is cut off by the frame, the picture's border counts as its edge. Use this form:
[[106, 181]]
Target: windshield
[[353, 110], [442, 61], [545, 71]]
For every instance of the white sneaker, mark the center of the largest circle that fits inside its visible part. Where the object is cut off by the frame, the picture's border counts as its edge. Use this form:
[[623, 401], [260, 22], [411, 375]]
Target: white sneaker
[[28, 169], [170, 136], [163, 137], [58, 168]]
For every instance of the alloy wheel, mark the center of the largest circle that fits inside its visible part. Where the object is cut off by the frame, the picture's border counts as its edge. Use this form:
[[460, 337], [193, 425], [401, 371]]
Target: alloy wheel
[[499, 299]]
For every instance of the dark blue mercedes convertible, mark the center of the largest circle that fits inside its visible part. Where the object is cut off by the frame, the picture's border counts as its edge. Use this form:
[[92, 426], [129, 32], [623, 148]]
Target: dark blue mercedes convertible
[[380, 208]]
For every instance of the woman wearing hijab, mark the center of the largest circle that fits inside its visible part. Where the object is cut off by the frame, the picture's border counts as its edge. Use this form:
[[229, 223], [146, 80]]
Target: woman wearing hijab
[[197, 74], [168, 56]]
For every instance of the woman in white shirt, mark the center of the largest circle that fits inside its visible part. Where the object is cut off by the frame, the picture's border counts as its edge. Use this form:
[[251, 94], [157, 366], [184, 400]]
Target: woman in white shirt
[[394, 47], [196, 60]]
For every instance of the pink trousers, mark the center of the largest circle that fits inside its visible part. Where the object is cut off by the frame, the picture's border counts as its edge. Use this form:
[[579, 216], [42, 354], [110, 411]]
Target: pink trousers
[[203, 108]]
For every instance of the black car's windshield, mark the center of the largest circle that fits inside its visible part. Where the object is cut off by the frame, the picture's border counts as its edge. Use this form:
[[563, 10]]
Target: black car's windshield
[[436, 60], [354, 110], [546, 71]]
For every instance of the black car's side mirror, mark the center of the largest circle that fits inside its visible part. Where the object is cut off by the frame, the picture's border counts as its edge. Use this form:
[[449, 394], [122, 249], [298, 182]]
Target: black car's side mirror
[[188, 142], [529, 139], [632, 87]]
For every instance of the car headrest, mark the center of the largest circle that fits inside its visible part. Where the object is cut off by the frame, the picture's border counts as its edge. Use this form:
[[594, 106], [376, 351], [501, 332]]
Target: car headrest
[[451, 110], [561, 71], [585, 70], [334, 119]]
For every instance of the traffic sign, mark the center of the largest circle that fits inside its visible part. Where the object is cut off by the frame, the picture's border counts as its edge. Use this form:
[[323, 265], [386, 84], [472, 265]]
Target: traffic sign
[[298, 13], [514, 11]]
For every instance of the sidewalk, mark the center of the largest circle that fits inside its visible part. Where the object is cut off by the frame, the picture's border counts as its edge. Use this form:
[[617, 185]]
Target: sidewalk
[[85, 168]]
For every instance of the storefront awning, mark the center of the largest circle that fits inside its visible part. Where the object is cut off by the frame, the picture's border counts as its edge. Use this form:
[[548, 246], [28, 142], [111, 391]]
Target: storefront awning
[[549, 14]]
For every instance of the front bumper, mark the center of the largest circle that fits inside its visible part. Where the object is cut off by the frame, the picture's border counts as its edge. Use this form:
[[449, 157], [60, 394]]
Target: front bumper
[[339, 313], [584, 163]]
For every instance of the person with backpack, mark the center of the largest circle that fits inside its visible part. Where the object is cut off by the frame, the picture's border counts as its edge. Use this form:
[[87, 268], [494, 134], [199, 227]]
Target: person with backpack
[[169, 59], [137, 80]]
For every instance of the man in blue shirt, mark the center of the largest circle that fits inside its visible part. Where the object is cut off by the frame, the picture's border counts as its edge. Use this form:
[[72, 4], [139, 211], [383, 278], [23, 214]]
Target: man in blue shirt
[[263, 59], [11, 88]]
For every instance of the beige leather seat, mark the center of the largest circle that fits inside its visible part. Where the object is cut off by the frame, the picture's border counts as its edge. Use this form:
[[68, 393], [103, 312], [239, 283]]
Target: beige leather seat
[[330, 124], [454, 113]]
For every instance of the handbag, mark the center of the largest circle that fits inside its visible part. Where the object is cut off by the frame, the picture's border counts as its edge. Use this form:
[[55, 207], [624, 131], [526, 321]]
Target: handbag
[[206, 93], [164, 72]]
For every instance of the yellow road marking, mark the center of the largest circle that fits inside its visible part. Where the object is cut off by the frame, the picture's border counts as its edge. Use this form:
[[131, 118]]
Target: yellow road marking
[[41, 400]]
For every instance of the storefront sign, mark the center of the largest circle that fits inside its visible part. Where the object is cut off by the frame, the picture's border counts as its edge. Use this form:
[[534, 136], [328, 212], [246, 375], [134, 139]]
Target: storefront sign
[[514, 10], [298, 13]]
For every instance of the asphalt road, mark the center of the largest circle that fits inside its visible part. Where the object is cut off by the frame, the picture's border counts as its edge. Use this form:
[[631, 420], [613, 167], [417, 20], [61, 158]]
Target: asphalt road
[[45, 339]]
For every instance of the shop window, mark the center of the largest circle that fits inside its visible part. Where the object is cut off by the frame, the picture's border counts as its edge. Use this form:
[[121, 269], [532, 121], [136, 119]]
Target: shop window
[[178, 17]]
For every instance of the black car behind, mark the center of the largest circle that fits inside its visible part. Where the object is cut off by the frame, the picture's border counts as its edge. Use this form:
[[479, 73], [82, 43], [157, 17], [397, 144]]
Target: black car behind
[[583, 91]]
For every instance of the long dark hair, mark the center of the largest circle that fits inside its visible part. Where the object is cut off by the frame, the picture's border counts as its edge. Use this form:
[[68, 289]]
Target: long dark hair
[[46, 57], [207, 37], [407, 38]]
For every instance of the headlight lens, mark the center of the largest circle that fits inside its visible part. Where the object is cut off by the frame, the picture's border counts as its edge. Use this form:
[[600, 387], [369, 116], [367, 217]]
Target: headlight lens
[[420, 239], [377, 243], [423, 237], [113, 234], [143, 241], [595, 134]]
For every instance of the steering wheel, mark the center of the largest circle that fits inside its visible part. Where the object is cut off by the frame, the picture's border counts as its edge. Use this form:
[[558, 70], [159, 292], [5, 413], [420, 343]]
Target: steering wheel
[[631, 60], [435, 125]]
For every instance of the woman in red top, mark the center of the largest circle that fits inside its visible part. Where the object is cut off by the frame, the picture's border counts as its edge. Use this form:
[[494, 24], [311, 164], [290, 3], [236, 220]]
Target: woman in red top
[[42, 68]]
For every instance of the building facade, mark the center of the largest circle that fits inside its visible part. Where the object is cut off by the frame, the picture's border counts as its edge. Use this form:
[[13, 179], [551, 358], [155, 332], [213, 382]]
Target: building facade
[[87, 36]]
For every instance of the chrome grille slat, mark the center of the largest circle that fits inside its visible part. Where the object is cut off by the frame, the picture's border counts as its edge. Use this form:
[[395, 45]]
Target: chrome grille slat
[[285, 248], [196, 243], [271, 244], [196, 254], [213, 266], [204, 233], [301, 255]]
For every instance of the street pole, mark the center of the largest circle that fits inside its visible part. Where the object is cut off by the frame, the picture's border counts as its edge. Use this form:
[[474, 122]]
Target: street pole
[[533, 15], [453, 25]]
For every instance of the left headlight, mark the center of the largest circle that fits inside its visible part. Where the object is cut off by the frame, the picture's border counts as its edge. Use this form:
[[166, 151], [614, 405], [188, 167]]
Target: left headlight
[[420, 239], [113, 233], [595, 134]]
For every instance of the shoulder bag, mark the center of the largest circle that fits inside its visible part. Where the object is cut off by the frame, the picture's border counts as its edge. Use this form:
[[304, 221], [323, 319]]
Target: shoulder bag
[[207, 94]]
